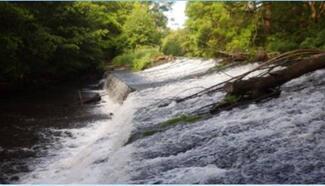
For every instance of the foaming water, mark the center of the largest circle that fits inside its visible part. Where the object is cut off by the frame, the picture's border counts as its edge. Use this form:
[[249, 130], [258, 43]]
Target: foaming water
[[93, 154], [279, 141], [85, 148]]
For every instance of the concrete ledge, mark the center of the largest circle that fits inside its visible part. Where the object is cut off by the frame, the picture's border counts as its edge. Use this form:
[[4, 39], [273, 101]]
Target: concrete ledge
[[117, 89]]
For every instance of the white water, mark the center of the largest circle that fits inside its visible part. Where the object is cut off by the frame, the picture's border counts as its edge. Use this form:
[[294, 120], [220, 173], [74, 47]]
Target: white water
[[279, 141]]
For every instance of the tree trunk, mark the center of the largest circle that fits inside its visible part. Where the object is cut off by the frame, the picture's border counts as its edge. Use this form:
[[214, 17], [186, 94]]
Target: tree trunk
[[267, 18], [312, 5], [257, 86]]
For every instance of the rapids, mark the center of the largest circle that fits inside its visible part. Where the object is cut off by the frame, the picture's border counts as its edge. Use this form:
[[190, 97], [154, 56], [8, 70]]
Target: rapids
[[278, 141]]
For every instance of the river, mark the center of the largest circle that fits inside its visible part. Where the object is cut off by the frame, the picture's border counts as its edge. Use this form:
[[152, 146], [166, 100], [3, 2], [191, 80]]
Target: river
[[47, 140]]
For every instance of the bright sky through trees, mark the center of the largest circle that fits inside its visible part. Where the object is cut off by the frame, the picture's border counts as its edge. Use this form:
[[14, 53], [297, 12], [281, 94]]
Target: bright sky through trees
[[176, 16]]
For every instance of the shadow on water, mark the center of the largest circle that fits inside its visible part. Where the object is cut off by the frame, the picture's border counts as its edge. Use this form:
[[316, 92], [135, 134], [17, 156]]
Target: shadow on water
[[26, 119]]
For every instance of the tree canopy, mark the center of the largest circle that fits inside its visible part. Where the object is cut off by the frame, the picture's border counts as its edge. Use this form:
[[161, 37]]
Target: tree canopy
[[49, 41], [143, 27], [243, 26]]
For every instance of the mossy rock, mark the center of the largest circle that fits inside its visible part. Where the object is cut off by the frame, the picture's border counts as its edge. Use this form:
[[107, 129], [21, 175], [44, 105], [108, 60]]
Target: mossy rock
[[182, 119]]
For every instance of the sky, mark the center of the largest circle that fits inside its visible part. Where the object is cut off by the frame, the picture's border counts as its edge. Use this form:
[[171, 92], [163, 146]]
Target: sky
[[176, 16]]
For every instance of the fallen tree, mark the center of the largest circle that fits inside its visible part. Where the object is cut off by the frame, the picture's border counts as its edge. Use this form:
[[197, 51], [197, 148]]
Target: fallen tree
[[266, 84], [263, 81], [260, 55], [256, 86], [283, 60], [247, 88], [233, 56]]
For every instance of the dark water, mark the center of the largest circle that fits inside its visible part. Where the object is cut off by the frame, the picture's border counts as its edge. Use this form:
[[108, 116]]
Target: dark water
[[25, 121]]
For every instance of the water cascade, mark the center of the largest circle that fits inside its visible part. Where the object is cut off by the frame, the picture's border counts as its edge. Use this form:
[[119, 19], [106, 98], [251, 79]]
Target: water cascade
[[279, 141]]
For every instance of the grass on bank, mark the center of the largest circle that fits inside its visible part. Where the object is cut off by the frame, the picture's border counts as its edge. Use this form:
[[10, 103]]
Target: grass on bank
[[137, 59]]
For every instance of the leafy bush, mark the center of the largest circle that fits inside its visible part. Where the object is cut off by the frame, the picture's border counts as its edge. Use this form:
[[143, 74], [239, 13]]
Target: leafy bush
[[142, 27], [137, 59], [172, 47], [47, 41], [173, 43], [123, 59], [242, 41], [317, 41], [280, 44], [50, 42]]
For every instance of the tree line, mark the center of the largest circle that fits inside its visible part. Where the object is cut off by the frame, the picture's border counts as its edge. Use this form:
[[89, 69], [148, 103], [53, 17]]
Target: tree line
[[43, 42], [248, 27]]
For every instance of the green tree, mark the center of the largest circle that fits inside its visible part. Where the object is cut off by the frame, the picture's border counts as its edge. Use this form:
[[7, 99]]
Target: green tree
[[215, 26], [246, 26], [174, 43], [142, 27], [45, 41]]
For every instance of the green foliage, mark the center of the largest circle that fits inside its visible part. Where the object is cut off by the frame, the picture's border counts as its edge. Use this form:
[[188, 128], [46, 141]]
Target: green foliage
[[149, 133], [219, 26], [317, 40], [141, 63], [50, 41], [47, 41], [281, 44], [248, 26], [137, 59], [173, 43], [142, 28], [180, 119], [231, 99]]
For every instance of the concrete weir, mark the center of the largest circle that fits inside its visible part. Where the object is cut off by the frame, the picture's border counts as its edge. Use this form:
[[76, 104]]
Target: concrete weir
[[120, 83], [116, 88]]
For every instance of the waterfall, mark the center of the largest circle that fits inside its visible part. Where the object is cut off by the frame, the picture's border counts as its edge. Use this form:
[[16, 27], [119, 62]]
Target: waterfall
[[92, 151], [250, 144]]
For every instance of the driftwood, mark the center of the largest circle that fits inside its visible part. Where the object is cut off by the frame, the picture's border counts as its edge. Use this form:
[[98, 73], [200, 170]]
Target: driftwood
[[222, 106], [256, 86], [266, 85], [233, 56], [242, 90], [269, 76], [164, 58], [284, 59]]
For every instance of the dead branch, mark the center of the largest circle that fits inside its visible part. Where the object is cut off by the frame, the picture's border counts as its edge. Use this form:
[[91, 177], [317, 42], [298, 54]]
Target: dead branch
[[284, 59]]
